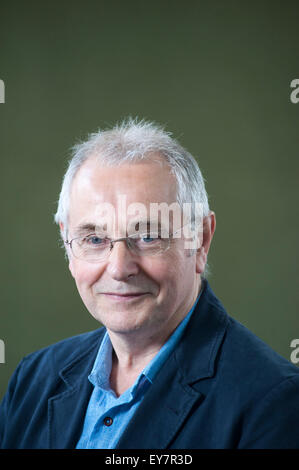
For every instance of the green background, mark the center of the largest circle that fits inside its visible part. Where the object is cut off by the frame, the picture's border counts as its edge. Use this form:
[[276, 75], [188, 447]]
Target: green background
[[218, 75]]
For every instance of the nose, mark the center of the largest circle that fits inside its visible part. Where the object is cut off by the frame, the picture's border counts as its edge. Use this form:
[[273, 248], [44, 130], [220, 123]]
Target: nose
[[121, 263]]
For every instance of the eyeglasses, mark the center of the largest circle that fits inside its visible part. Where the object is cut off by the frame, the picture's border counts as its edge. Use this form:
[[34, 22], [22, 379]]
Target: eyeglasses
[[93, 248]]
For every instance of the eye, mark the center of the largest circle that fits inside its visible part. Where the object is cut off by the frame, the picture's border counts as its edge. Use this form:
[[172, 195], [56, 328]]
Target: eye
[[147, 239], [94, 240]]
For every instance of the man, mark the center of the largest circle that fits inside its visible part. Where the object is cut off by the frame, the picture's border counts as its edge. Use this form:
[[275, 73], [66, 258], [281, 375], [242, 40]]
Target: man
[[170, 368]]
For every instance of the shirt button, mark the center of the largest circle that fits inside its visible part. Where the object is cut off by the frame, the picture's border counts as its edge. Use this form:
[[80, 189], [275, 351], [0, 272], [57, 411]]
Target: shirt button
[[108, 421]]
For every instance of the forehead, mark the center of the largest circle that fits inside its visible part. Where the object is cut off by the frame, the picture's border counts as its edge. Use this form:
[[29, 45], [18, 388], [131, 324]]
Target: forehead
[[143, 182]]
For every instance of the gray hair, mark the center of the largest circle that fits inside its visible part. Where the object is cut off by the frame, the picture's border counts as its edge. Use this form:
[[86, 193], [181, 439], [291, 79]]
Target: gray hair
[[131, 141]]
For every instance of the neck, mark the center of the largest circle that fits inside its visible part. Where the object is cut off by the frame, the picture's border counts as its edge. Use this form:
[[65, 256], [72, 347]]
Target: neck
[[133, 350]]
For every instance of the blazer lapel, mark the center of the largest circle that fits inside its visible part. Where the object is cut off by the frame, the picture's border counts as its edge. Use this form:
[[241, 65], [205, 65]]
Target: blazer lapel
[[161, 413], [66, 410]]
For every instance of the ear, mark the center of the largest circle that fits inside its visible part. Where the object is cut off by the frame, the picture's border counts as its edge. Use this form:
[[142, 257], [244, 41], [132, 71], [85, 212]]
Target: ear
[[71, 266], [61, 226], [209, 226]]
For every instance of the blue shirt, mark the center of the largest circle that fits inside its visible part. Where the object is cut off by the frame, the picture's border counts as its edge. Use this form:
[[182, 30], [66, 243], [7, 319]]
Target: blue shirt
[[107, 415]]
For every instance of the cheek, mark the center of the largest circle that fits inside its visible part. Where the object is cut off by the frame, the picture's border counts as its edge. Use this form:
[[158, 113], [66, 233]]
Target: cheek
[[170, 271], [181, 273], [85, 274]]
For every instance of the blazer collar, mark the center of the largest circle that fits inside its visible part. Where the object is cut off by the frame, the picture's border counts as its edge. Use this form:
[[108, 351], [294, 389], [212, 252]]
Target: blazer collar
[[197, 352]]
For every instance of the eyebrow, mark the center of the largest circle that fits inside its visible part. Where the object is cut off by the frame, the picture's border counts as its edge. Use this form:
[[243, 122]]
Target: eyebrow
[[145, 223], [85, 228], [153, 226]]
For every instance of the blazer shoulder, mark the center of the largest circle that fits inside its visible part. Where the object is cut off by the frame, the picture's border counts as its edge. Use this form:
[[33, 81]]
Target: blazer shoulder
[[255, 360], [64, 352], [241, 359]]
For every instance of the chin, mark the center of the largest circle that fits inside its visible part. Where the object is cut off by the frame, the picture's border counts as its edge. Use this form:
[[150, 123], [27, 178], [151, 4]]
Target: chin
[[124, 329], [121, 321]]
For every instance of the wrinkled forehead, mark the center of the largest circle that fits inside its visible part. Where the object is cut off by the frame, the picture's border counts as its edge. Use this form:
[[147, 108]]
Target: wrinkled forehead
[[149, 181], [134, 189]]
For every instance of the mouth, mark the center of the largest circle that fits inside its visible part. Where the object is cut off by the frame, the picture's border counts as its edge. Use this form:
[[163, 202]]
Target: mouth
[[124, 297]]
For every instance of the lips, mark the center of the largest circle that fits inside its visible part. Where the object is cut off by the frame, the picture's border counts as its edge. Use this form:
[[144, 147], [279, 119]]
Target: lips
[[133, 294], [124, 297]]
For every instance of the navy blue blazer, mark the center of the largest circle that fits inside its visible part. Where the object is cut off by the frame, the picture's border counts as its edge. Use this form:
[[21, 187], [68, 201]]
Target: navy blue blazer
[[221, 388]]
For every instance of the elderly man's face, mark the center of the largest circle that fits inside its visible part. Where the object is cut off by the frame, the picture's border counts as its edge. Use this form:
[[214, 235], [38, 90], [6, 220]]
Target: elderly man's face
[[163, 286]]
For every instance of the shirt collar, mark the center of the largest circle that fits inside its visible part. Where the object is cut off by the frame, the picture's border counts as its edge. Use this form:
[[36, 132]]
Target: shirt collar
[[100, 374], [156, 363]]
